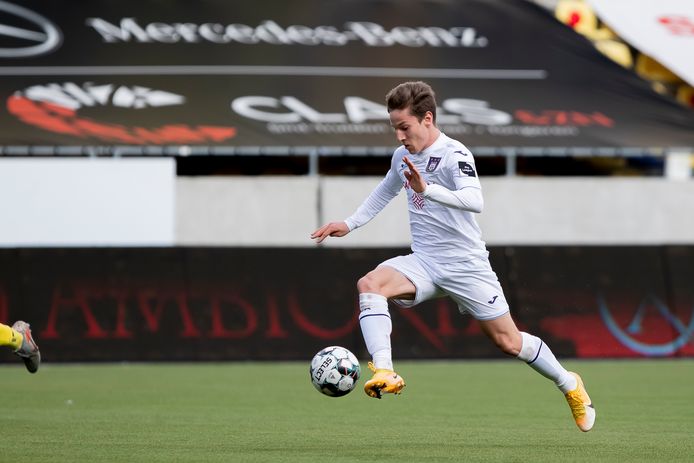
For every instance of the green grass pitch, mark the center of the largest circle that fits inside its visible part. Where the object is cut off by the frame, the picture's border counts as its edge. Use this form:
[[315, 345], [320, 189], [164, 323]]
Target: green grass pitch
[[269, 412]]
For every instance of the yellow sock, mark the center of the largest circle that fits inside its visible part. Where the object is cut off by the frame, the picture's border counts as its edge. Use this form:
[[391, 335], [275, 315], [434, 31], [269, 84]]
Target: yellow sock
[[9, 337]]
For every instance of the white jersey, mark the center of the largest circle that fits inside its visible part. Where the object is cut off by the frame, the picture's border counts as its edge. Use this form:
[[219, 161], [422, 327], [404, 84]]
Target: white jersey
[[441, 232]]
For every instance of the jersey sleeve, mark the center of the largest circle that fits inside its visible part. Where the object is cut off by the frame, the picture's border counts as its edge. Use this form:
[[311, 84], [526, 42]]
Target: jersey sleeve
[[461, 169], [462, 189], [466, 199], [386, 190]]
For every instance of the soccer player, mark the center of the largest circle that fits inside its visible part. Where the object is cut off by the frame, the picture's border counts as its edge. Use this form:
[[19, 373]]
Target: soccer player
[[448, 255], [19, 338]]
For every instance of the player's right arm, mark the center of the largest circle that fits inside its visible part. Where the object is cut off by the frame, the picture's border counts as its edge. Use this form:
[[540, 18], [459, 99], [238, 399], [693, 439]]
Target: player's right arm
[[388, 189], [379, 198], [330, 229]]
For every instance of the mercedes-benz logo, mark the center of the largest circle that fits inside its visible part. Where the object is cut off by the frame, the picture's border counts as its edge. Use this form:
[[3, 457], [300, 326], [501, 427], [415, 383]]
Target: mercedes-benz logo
[[27, 41]]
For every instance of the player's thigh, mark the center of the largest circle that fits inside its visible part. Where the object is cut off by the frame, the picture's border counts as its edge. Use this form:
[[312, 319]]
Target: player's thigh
[[387, 282], [419, 286]]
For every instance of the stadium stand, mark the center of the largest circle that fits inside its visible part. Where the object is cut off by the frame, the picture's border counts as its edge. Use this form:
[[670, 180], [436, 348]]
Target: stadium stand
[[579, 15]]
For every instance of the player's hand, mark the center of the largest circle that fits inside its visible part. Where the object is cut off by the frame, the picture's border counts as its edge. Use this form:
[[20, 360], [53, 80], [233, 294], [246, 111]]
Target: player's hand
[[414, 178], [330, 229]]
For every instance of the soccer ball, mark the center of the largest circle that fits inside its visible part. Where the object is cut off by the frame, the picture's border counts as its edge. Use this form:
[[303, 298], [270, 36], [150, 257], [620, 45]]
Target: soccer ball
[[335, 371]]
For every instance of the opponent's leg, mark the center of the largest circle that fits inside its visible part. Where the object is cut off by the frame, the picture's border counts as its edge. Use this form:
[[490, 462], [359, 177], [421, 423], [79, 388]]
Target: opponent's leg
[[540, 358], [10, 337], [19, 338]]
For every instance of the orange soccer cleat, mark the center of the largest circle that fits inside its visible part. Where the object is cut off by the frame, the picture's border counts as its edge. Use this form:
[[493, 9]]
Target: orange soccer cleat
[[581, 405], [383, 381]]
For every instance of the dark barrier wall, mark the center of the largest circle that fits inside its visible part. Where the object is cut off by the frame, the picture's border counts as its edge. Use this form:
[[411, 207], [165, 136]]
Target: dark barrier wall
[[236, 304]]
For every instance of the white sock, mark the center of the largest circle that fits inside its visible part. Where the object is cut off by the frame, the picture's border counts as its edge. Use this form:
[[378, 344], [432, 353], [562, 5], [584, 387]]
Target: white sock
[[376, 327], [539, 356]]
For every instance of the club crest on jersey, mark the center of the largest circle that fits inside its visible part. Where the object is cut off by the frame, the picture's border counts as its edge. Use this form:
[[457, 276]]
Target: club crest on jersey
[[466, 169], [432, 164]]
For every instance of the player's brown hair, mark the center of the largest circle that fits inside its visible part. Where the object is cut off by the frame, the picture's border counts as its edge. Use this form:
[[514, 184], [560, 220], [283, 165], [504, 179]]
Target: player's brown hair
[[418, 96]]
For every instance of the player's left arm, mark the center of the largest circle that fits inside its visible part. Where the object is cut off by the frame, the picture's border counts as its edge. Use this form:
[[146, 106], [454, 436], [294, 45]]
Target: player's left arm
[[467, 192]]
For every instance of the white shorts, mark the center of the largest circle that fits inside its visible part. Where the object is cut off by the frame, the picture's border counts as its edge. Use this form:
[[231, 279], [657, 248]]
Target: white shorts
[[472, 284]]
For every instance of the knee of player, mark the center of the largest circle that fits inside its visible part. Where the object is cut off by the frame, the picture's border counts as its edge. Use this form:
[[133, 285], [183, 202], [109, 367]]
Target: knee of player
[[367, 284]]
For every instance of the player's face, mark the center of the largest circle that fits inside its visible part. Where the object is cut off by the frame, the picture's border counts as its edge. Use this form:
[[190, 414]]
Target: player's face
[[415, 135]]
